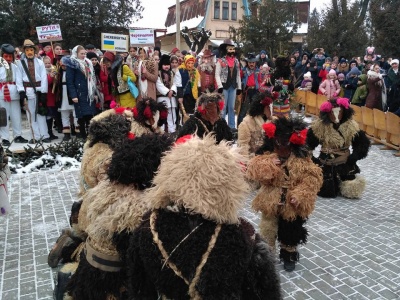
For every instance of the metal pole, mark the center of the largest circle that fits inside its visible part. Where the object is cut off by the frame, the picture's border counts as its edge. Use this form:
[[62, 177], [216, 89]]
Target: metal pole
[[178, 24]]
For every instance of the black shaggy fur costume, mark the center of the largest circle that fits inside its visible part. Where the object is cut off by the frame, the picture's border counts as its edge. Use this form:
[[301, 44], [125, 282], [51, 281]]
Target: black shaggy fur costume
[[195, 123], [248, 269], [282, 70], [155, 106], [133, 163], [335, 176]]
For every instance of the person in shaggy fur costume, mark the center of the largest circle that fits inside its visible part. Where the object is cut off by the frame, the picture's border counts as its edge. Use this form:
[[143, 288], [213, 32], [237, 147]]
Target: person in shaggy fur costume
[[192, 243], [149, 116], [207, 118], [289, 182], [335, 130], [106, 131], [115, 206], [250, 133]]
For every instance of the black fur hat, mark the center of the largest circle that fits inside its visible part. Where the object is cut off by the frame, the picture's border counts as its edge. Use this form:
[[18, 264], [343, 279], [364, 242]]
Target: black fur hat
[[259, 102], [164, 60], [148, 106], [111, 130], [283, 129], [136, 161]]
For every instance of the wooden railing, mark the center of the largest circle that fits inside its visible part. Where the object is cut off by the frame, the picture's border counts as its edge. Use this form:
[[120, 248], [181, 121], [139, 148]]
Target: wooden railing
[[381, 127]]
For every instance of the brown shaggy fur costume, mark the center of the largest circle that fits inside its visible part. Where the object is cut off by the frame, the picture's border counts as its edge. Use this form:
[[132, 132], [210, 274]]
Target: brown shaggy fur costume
[[250, 135], [305, 180], [221, 183]]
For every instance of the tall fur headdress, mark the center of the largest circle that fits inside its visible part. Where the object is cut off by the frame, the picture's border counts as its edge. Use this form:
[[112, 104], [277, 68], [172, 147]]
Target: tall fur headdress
[[203, 177], [291, 131], [136, 161]]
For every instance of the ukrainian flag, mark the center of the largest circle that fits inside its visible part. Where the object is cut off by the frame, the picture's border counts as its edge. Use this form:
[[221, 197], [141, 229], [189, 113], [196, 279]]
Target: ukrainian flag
[[108, 44]]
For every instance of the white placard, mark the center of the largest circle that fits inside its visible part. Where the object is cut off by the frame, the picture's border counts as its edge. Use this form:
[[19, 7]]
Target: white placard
[[114, 42], [141, 37], [49, 33]]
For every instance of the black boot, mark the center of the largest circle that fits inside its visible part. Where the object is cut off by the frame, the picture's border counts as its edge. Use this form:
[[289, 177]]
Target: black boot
[[63, 277], [82, 129], [289, 259], [67, 137], [50, 129]]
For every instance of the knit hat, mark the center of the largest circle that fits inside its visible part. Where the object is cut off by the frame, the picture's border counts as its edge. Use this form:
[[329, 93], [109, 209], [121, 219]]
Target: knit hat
[[263, 52], [354, 71], [394, 61], [91, 55], [332, 72], [307, 75], [109, 56], [340, 76], [184, 52], [342, 60], [173, 51]]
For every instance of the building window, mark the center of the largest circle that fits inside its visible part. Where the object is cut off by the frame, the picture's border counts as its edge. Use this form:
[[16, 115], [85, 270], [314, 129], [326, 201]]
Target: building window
[[234, 11], [216, 9], [225, 10]]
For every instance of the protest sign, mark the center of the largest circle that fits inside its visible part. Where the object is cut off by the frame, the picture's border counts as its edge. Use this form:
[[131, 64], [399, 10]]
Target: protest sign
[[114, 42], [142, 37], [49, 33]]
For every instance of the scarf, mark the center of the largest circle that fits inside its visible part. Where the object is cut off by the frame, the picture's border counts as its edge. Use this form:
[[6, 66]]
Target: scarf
[[86, 67], [230, 60], [194, 77], [142, 80], [9, 78]]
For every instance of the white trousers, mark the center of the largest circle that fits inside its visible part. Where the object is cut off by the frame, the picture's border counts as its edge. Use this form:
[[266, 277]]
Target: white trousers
[[38, 122], [13, 110], [65, 118]]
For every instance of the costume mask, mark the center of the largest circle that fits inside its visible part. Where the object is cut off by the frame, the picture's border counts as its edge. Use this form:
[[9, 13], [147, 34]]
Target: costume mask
[[8, 57], [230, 50], [29, 52], [336, 115], [282, 147]]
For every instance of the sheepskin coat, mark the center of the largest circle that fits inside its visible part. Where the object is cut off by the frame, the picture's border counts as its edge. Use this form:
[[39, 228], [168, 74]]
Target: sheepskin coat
[[250, 135], [111, 208], [94, 165], [235, 265], [303, 182]]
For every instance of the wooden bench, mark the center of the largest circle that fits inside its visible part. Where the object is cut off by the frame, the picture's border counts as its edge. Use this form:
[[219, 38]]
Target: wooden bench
[[311, 104], [368, 121], [380, 126], [358, 116], [393, 131]]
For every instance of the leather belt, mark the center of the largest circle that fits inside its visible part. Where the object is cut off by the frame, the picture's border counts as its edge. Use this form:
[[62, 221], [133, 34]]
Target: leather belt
[[28, 84]]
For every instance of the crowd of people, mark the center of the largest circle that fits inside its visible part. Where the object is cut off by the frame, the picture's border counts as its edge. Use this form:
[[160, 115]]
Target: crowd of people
[[158, 159]]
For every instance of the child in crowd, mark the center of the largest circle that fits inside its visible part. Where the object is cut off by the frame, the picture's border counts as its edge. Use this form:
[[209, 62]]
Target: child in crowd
[[306, 84], [330, 87]]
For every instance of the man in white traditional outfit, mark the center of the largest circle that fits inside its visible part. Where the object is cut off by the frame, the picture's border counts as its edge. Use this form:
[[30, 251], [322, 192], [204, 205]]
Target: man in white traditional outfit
[[32, 85], [9, 98]]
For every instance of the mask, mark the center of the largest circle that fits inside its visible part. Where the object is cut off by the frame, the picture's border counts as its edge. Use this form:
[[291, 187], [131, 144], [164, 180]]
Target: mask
[[30, 52], [230, 50], [8, 57], [336, 115]]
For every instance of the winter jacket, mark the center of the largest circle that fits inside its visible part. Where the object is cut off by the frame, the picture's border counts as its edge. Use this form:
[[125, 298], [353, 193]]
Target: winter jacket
[[361, 91], [330, 88], [78, 88]]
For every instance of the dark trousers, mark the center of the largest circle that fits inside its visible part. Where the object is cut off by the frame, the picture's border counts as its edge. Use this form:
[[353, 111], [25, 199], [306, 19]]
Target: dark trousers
[[246, 101]]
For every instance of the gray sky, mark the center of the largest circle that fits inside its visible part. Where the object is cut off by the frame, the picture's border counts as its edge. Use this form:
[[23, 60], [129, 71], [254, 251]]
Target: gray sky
[[155, 12]]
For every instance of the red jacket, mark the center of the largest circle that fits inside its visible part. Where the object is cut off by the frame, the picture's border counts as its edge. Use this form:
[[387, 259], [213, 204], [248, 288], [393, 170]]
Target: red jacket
[[51, 97]]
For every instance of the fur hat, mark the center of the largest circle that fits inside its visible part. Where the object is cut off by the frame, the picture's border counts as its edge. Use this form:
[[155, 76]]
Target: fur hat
[[109, 55], [110, 130], [286, 130], [136, 161], [164, 60], [91, 55], [203, 178], [259, 102]]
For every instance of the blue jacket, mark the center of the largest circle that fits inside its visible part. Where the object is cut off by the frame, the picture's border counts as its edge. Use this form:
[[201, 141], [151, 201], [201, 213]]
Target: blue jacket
[[78, 88]]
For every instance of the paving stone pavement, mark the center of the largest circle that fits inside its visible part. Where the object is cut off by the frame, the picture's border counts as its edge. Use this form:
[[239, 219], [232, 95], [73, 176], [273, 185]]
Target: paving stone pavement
[[353, 250]]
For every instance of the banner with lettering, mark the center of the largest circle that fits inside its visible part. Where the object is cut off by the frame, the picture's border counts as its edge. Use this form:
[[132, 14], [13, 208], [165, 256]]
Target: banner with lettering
[[142, 37], [114, 42], [49, 33]]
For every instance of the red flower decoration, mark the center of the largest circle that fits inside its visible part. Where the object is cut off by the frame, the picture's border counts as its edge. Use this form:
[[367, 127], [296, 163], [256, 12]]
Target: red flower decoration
[[344, 102], [286, 101], [135, 112], [183, 139], [298, 138], [201, 110], [119, 110], [266, 101], [163, 114], [275, 94], [269, 129], [131, 136], [147, 112], [221, 105], [113, 104]]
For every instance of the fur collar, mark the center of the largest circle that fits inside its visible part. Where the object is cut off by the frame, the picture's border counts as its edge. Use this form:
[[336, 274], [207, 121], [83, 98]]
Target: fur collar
[[332, 138]]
